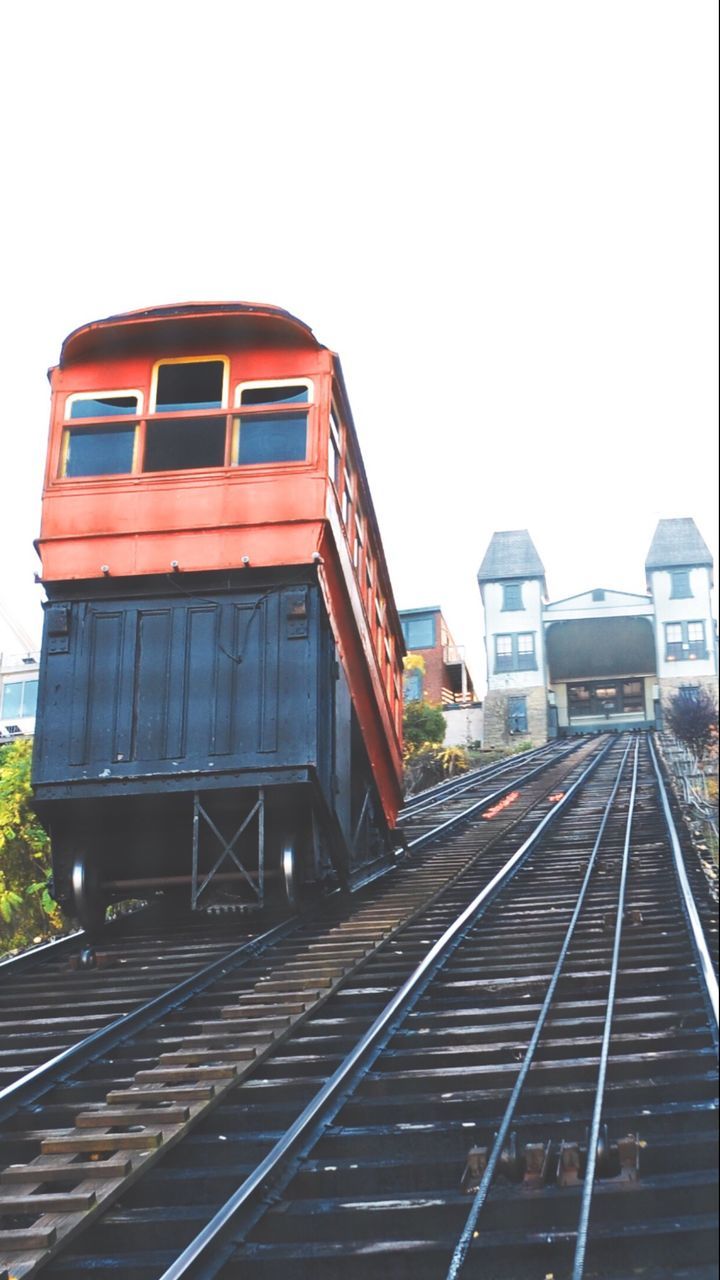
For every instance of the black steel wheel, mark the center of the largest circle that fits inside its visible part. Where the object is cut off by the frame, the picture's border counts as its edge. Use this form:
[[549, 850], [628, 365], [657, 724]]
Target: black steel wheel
[[89, 903]]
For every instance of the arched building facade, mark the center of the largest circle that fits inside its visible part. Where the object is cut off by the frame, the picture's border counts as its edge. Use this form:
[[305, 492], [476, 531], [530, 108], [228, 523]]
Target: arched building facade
[[603, 659]]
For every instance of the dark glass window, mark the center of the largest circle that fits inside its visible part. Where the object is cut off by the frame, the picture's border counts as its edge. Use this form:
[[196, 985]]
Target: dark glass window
[[515, 652], [180, 444], [633, 695], [103, 406], [413, 686], [526, 651], [274, 395], [517, 715], [195, 385], [512, 595], [106, 451], [684, 641], [503, 653], [599, 699], [680, 584], [272, 437], [334, 451], [696, 639], [419, 633]]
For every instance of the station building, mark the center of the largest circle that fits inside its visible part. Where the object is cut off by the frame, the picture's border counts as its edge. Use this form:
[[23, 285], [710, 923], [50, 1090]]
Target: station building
[[603, 659]]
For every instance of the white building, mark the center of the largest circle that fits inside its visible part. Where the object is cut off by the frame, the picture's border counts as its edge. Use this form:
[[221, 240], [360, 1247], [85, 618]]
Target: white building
[[19, 664], [601, 659]]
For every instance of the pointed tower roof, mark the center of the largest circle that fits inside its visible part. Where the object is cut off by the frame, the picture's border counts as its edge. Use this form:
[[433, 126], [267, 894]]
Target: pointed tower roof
[[511, 554], [677, 544]]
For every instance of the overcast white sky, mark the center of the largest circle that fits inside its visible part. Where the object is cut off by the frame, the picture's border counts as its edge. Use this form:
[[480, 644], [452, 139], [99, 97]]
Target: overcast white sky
[[503, 216]]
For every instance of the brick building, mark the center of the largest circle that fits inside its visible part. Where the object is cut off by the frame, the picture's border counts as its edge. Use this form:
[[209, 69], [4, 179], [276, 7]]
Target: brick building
[[446, 679]]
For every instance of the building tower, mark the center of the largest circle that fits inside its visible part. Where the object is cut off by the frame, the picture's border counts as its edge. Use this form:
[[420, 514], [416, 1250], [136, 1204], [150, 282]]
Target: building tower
[[512, 585], [679, 577]]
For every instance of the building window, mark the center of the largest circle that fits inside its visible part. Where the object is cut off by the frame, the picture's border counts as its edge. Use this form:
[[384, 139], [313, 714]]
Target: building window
[[515, 652], [680, 584], [598, 594], [696, 640], [685, 641], [19, 698], [503, 653], [689, 692], [517, 715], [512, 596], [526, 651], [412, 686], [419, 632], [623, 697]]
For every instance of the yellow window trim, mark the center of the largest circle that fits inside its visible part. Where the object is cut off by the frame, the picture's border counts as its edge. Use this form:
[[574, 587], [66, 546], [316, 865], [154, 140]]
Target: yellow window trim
[[224, 360], [259, 383], [103, 395]]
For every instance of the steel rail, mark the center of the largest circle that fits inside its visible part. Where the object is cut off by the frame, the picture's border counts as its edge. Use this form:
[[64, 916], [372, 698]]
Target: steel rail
[[41, 1078], [697, 933], [326, 1102], [591, 1160], [466, 1236], [44, 1076], [456, 786], [45, 950], [444, 827]]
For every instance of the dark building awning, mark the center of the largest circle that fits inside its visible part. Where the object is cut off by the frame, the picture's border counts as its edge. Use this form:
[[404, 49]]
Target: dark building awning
[[585, 647]]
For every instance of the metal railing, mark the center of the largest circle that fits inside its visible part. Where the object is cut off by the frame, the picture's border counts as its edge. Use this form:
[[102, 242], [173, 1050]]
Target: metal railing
[[691, 784]]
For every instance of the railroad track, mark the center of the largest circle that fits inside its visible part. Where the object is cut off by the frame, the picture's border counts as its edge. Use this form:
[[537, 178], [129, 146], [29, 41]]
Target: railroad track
[[47, 1016], [253, 1104]]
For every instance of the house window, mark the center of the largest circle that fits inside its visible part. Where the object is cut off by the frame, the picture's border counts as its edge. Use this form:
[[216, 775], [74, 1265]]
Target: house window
[[685, 641], [412, 686], [512, 596], [515, 652], [189, 384], [689, 692], [19, 698], [526, 651], [602, 699], [517, 715], [419, 632], [680, 584], [696, 640], [503, 653], [598, 594]]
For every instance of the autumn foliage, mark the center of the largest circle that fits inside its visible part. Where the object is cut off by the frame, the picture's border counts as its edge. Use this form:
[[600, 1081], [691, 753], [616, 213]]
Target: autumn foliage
[[27, 912]]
